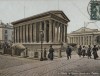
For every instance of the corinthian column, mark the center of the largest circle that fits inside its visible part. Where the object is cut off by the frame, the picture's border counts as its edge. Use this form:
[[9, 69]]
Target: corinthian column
[[56, 32], [53, 31], [24, 33], [30, 32], [14, 34], [61, 32], [17, 34], [20, 34], [34, 31], [40, 28], [44, 31], [50, 30], [64, 33]]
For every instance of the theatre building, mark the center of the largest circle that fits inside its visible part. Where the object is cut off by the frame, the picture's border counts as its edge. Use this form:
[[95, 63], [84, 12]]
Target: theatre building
[[53, 25], [84, 36]]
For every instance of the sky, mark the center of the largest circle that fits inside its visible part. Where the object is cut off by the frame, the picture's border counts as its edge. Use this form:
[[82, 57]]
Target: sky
[[75, 10]]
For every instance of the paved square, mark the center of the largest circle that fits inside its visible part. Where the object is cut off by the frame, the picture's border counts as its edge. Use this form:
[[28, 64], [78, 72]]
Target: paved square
[[14, 66]]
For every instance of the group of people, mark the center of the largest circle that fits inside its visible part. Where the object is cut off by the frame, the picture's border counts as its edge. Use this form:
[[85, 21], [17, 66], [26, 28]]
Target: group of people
[[82, 51]]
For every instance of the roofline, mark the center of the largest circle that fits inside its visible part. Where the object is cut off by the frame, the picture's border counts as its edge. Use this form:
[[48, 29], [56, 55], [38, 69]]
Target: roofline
[[36, 16]]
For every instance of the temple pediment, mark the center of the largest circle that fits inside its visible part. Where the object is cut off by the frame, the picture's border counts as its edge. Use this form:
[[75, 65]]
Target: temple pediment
[[82, 30], [60, 14]]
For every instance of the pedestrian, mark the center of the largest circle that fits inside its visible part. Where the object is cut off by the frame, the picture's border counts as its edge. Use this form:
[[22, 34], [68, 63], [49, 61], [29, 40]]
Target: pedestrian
[[26, 52], [45, 54], [50, 55], [83, 51], [68, 52], [89, 52], [95, 49], [80, 51]]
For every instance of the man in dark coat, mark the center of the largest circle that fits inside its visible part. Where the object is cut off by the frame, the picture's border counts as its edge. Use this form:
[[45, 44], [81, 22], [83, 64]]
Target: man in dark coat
[[83, 51], [95, 49], [89, 52], [80, 51], [50, 55], [68, 52]]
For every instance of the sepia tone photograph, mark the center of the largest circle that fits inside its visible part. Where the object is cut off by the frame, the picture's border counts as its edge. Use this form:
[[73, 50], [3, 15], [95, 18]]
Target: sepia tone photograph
[[49, 37]]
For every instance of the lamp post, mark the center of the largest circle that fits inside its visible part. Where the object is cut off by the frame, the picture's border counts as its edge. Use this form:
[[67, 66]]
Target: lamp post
[[41, 34]]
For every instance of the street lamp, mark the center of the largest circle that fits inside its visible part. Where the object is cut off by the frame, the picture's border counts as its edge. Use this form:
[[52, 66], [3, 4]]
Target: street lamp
[[41, 34]]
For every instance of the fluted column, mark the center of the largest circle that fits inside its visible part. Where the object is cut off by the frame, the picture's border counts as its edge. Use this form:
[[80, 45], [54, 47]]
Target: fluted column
[[78, 39], [26, 33], [58, 32], [83, 40], [30, 32], [45, 31], [53, 31], [14, 34], [50, 30], [71, 40], [88, 40], [20, 33], [64, 33], [75, 39], [40, 29], [23, 33], [34, 31], [61, 32], [17, 35]]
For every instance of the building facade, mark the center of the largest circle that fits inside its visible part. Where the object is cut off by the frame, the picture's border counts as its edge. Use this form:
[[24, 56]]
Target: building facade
[[83, 36], [6, 35], [6, 32], [53, 24]]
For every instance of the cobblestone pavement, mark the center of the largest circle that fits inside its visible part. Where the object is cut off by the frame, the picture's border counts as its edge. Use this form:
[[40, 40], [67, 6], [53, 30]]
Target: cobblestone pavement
[[59, 67], [7, 61]]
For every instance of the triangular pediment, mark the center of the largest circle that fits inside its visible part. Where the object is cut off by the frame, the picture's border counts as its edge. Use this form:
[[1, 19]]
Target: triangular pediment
[[60, 14], [82, 30], [43, 15]]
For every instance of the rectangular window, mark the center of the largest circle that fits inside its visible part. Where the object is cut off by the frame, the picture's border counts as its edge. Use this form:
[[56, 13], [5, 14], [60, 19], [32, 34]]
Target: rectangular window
[[6, 37], [5, 31]]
